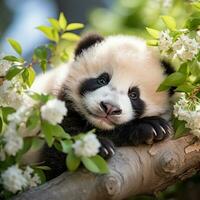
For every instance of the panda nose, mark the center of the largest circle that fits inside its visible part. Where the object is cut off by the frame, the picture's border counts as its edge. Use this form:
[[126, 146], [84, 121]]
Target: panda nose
[[110, 109]]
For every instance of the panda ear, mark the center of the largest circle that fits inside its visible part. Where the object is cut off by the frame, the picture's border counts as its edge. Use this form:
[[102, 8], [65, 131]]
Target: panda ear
[[168, 69], [86, 42]]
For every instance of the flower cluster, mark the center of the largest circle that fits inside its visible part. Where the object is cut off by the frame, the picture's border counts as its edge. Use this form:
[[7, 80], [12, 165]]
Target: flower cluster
[[4, 67], [53, 111], [183, 111], [184, 47], [88, 146], [15, 179]]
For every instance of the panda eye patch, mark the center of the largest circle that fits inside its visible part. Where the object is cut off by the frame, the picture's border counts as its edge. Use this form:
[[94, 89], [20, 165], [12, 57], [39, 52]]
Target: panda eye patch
[[133, 93], [103, 79]]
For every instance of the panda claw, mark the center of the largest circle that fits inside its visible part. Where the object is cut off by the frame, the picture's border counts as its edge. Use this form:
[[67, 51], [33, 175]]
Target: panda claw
[[107, 149]]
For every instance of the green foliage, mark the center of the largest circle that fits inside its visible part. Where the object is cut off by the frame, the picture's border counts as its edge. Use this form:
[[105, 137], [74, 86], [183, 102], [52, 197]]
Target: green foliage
[[72, 161], [95, 164], [169, 22], [15, 45], [53, 134]]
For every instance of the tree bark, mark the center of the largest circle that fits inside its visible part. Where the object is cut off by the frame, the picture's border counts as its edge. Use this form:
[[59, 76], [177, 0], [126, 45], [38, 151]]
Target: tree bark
[[145, 169]]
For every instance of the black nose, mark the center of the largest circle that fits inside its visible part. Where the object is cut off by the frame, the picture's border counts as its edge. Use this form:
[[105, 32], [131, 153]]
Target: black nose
[[110, 109]]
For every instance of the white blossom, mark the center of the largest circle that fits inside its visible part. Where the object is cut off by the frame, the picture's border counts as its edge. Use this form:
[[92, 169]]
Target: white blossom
[[10, 95], [32, 179], [190, 116], [20, 115], [53, 111], [13, 179], [4, 66], [185, 48], [88, 146], [165, 41], [13, 141]]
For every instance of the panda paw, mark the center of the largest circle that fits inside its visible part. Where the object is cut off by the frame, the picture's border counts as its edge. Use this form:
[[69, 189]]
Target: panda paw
[[107, 149], [149, 130]]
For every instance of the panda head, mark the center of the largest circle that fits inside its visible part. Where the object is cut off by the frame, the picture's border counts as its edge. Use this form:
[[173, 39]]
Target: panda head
[[114, 80]]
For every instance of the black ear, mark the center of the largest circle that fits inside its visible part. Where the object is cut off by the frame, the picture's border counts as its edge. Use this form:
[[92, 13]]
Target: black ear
[[168, 69], [87, 41]]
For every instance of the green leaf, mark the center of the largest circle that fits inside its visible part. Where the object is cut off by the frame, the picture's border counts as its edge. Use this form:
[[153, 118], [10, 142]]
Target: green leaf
[[13, 59], [66, 145], [100, 163], [74, 26], [37, 143], [43, 98], [26, 146], [153, 32], [169, 22], [184, 69], [15, 45], [49, 32], [185, 87], [181, 129], [1, 122], [7, 111], [59, 132], [54, 23], [174, 79], [31, 76], [43, 65], [41, 52], [70, 37], [72, 161], [90, 164], [152, 42], [64, 56], [46, 130], [13, 71], [62, 21], [58, 146], [43, 167], [28, 76], [193, 23], [196, 5], [34, 120], [41, 174]]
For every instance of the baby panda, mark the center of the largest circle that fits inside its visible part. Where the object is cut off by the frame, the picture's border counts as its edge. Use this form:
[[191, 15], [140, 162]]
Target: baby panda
[[111, 86]]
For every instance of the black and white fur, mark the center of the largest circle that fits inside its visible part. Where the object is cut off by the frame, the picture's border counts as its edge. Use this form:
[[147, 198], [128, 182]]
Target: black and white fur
[[111, 86]]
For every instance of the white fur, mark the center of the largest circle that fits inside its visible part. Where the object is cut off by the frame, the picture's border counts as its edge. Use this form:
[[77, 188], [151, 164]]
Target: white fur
[[130, 63]]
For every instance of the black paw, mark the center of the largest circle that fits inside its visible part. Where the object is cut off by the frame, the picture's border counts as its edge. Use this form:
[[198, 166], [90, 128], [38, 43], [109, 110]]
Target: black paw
[[107, 149], [149, 130]]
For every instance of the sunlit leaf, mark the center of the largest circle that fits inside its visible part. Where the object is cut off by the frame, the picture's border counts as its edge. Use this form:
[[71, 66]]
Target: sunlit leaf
[[54, 23], [62, 21], [15, 45], [74, 26], [152, 42], [13, 71], [70, 37], [169, 22], [72, 161], [154, 33]]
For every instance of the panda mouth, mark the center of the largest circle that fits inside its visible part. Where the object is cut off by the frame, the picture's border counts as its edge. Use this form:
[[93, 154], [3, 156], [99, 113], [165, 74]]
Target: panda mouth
[[106, 118]]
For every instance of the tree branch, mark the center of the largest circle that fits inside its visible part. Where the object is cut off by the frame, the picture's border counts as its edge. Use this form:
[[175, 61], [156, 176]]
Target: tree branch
[[133, 170]]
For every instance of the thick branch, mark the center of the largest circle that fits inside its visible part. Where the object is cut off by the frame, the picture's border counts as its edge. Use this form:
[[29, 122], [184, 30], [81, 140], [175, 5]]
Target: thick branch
[[133, 170]]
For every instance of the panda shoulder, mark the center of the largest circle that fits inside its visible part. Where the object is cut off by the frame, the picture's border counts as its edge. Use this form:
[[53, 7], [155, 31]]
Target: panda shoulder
[[52, 80]]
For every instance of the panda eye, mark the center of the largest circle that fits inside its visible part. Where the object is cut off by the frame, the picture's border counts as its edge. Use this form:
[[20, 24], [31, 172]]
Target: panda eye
[[132, 95], [103, 79]]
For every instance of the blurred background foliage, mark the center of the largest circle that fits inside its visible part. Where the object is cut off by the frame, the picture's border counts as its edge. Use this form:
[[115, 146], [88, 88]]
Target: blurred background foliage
[[20, 17]]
